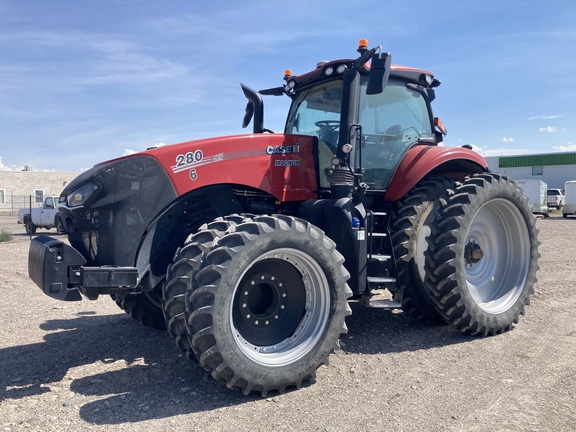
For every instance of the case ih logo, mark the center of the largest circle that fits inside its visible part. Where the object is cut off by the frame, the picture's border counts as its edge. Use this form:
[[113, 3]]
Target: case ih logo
[[282, 149]]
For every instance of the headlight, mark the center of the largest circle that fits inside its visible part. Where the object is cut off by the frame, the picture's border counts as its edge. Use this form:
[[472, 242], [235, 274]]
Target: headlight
[[80, 195]]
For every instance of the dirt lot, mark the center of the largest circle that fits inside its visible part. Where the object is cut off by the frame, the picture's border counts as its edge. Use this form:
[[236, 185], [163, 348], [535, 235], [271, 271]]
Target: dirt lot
[[87, 365]]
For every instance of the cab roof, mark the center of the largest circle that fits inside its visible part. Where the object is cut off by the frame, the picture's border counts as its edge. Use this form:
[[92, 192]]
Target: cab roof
[[337, 67]]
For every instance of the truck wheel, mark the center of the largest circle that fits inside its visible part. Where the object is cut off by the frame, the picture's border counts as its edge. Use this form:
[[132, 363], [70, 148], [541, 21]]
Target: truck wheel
[[410, 228], [146, 308], [59, 225], [180, 276], [30, 227], [270, 305], [483, 256]]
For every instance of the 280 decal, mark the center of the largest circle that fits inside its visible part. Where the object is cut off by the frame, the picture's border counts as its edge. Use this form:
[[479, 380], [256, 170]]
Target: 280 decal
[[183, 160], [194, 158]]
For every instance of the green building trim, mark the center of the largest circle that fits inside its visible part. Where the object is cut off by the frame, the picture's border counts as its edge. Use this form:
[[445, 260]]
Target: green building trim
[[537, 160]]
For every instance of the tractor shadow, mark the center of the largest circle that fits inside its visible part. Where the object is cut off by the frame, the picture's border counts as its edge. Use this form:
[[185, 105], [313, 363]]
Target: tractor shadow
[[133, 373], [380, 331]]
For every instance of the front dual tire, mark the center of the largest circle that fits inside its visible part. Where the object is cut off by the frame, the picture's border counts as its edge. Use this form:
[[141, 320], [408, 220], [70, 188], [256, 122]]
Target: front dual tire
[[267, 305]]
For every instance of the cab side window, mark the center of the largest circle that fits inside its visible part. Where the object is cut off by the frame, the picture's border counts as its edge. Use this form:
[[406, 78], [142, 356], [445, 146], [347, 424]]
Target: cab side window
[[392, 122]]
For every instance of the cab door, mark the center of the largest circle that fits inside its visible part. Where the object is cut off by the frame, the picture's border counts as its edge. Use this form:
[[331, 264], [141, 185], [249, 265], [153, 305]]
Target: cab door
[[47, 213], [392, 122]]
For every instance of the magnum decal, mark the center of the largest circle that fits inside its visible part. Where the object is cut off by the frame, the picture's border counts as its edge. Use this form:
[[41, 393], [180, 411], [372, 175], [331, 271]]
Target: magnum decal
[[286, 162]]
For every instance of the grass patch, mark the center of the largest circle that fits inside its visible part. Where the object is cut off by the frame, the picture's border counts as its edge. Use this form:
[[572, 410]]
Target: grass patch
[[5, 236]]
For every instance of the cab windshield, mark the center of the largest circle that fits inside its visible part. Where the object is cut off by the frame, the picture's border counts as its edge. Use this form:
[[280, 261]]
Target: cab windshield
[[391, 121]]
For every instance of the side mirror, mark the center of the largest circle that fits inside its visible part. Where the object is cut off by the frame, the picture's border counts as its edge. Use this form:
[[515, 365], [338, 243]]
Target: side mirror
[[248, 114], [255, 108], [440, 130], [440, 126], [379, 73]]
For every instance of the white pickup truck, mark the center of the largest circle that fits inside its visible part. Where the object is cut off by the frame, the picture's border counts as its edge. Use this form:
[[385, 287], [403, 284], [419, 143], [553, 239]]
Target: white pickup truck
[[40, 217], [555, 198]]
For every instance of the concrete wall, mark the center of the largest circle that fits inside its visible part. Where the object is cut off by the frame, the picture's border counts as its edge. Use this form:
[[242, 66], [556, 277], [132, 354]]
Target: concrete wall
[[24, 183]]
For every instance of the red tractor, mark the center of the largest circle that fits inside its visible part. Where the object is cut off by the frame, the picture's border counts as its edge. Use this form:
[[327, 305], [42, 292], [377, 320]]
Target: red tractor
[[249, 248]]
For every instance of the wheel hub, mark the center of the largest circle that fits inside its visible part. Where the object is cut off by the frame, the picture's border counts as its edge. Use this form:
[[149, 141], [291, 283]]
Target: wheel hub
[[263, 300], [473, 253], [269, 303]]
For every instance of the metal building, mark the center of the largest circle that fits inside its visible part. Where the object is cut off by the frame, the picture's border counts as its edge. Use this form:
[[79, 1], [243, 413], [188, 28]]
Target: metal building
[[552, 168]]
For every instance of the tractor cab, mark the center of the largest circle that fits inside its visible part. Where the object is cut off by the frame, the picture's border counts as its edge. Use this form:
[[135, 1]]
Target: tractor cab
[[365, 116], [389, 123]]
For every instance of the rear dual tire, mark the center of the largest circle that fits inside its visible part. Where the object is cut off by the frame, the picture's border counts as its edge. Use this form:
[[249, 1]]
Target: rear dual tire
[[483, 255], [410, 231]]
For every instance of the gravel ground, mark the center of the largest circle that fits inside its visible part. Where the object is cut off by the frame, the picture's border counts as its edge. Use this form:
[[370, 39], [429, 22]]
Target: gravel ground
[[88, 366]]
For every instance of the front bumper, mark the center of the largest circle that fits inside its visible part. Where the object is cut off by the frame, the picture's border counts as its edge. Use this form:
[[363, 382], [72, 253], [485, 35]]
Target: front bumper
[[58, 269]]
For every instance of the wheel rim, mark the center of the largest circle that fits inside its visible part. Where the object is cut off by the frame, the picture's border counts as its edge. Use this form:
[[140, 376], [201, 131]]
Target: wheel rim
[[280, 307], [421, 247], [422, 244], [497, 256]]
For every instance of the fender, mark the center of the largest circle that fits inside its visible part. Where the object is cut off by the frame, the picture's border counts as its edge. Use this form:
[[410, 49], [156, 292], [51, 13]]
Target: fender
[[421, 160]]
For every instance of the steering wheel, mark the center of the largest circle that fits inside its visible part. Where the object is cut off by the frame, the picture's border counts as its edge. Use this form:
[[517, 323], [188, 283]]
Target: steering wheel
[[328, 133], [330, 124]]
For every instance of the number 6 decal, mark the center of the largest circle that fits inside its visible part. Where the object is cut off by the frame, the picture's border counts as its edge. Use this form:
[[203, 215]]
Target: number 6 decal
[[193, 174]]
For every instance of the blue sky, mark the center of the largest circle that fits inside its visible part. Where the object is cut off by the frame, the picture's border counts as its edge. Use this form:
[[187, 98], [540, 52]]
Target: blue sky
[[83, 81]]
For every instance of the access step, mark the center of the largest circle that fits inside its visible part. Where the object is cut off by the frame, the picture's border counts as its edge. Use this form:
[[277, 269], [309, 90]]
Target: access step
[[375, 282], [382, 304], [380, 258]]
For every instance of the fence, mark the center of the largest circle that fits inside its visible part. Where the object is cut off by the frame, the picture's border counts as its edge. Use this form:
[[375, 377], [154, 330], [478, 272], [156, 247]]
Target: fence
[[9, 213]]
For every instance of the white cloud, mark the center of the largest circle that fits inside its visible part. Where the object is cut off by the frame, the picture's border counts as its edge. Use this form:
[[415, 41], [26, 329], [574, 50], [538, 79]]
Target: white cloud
[[566, 148], [549, 129], [478, 150], [475, 148], [543, 117], [507, 139], [102, 61], [7, 168], [503, 151], [21, 168], [128, 152]]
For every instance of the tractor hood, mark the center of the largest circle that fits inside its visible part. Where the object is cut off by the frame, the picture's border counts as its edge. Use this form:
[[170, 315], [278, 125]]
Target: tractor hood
[[107, 209], [279, 164]]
